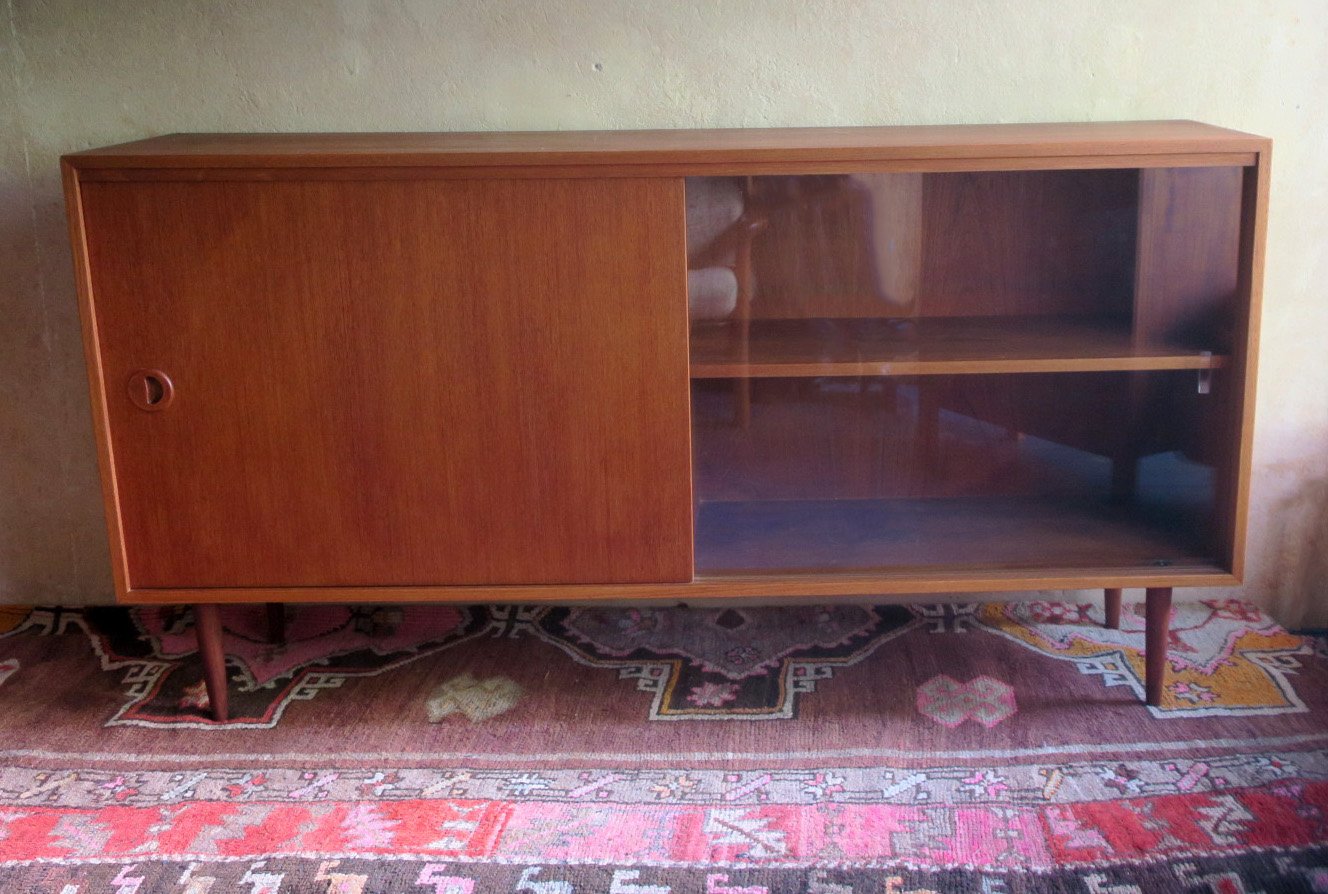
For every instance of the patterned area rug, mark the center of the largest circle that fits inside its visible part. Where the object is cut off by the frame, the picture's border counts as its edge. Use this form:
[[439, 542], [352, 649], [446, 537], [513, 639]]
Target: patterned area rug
[[998, 749]]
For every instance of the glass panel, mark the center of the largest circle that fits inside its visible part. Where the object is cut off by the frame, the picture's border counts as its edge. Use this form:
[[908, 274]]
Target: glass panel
[[914, 371], [864, 473]]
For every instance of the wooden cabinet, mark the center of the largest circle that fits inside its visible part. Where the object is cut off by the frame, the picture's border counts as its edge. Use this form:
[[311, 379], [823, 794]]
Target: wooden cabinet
[[394, 382], [671, 365]]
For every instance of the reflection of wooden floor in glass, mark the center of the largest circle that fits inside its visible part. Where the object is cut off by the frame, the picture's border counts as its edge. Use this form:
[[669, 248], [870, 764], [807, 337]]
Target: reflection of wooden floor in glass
[[993, 532]]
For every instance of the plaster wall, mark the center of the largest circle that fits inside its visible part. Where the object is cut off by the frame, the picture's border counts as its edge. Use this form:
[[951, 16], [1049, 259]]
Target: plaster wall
[[79, 73]]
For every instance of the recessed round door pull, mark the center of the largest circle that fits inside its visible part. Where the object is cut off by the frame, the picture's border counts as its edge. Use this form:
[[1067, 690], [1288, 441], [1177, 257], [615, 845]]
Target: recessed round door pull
[[150, 389]]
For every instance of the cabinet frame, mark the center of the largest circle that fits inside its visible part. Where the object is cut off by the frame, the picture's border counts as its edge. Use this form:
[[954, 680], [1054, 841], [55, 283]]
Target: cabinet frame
[[679, 154]]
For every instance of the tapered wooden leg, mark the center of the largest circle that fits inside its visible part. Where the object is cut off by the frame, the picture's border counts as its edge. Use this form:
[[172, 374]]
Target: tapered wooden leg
[[276, 623], [1112, 607], [1157, 622], [207, 625]]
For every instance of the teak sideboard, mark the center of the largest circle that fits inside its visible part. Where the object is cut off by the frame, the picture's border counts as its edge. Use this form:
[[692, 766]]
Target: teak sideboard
[[672, 365]]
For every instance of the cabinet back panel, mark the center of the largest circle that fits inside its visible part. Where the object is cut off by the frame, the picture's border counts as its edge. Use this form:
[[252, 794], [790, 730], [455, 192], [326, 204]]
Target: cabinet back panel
[[944, 245], [1187, 276], [396, 382]]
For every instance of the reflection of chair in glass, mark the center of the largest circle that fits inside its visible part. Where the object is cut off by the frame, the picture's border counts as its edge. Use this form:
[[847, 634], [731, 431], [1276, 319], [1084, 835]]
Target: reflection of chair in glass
[[840, 247], [720, 229]]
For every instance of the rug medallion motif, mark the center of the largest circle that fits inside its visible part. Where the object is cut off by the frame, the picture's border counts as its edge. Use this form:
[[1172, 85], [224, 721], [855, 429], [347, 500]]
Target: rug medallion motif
[[722, 663]]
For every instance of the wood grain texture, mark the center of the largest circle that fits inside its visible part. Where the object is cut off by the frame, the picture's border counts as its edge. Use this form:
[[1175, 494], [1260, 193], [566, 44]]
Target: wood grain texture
[[1027, 243], [1111, 599], [829, 250], [652, 147], [1157, 642], [931, 346], [895, 588], [211, 649], [91, 169], [96, 387], [397, 383], [1186, 266], [1235, 486], [946, 244], [404, 216]]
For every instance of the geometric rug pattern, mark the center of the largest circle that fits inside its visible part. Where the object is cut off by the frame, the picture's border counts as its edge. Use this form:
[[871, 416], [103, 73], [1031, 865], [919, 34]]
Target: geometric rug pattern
[[325, 645], [984, 748], [1226, 657], [720, 663]]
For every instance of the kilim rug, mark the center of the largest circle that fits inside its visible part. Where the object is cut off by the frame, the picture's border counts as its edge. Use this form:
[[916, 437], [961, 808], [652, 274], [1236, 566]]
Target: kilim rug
[[992, 749]]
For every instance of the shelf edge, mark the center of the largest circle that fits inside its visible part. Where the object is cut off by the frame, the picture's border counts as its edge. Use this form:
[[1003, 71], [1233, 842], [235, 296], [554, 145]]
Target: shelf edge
[[713, 370]]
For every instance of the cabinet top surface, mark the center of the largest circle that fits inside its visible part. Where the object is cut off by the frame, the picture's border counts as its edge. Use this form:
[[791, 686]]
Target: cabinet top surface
[[656, 147]]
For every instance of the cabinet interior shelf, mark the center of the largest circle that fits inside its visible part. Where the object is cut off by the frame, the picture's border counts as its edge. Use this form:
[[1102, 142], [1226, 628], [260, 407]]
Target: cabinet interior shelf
[[802, 536], [933, 346]]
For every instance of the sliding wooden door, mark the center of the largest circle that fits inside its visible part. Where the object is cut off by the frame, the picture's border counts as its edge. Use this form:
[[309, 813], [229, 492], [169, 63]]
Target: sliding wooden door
[[346, 382]]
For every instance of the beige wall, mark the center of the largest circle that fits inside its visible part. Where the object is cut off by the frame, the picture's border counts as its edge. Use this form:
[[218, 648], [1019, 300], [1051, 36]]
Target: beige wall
[[78, 73]]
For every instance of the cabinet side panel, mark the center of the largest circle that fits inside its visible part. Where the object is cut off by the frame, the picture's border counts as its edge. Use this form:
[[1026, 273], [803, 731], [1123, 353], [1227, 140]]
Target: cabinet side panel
[[1249, 291], [92, 358], [397, 383]]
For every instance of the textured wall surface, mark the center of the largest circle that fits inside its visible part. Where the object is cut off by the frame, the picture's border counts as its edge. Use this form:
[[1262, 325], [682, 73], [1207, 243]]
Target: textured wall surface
[[77, 73]]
